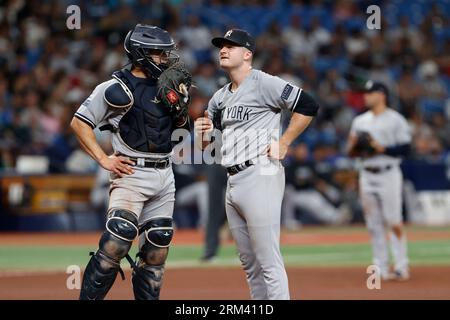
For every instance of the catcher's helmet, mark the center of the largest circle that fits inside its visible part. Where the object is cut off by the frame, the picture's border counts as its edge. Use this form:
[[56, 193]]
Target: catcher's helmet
[[143, 38]]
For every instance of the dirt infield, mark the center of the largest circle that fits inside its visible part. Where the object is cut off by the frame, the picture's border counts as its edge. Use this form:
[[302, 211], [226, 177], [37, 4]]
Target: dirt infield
[[211, 283], [307, 236], [305, 283]]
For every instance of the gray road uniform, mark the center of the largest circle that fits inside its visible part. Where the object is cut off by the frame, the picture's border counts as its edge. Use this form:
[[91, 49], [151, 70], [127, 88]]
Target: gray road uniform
[[141, 203], [381, 185], [250, 118]]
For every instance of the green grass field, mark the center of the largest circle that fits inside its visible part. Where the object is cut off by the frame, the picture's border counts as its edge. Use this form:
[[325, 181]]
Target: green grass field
[[57, 258]]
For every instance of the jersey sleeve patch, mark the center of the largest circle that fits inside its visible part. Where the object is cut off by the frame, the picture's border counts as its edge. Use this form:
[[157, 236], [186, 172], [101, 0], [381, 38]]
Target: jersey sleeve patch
[[287, 92]]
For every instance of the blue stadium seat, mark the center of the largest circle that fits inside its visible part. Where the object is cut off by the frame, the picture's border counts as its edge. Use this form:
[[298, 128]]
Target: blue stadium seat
[[395, 72], [446, 80], [310, 137], [353, 23], [341, 64], [323, 64], [391, 14], [429, 106]]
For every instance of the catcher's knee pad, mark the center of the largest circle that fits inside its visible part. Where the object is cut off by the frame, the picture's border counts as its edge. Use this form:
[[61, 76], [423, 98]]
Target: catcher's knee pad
[[121, 229], [122, 224], [102, 269], [158, 233], [148, 274]]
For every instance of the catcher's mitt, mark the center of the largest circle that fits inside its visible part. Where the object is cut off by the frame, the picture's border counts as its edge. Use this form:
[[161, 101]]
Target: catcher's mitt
[[364, 146], [173, 88]]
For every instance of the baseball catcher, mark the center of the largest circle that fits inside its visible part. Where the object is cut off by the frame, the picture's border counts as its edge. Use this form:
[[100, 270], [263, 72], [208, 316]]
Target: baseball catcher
[[141, 106]]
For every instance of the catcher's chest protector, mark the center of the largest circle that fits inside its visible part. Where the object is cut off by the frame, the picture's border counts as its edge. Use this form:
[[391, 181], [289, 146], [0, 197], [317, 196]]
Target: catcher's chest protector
[[147, 125]]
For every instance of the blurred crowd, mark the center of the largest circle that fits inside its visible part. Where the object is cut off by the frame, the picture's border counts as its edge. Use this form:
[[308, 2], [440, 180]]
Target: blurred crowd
[[47, 70]]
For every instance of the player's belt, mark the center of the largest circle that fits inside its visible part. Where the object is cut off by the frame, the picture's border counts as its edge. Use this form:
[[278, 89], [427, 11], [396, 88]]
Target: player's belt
[[378, 169], [151, 163], [239, 167]]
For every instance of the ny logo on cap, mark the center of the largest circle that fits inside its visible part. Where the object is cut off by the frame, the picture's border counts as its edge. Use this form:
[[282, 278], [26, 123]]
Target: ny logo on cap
[[228, 34]]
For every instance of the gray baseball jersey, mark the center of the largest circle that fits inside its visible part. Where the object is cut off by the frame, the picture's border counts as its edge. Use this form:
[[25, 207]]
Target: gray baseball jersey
[[388, 128], [381, 191], [251, 118], [132, 192], [95, 111]]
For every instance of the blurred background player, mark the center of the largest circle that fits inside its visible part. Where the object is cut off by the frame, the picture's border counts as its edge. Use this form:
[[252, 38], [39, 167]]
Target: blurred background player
[[381, 136]]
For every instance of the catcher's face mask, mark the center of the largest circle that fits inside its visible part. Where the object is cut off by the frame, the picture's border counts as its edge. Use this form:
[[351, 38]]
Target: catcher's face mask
[[155, 61], [162, 58]]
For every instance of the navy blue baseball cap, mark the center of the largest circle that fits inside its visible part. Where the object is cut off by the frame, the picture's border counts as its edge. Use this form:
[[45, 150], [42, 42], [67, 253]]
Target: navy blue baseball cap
[[238, 37], [376, 86]]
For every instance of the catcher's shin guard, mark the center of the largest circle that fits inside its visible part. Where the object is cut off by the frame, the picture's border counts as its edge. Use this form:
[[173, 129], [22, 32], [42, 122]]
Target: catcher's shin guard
[[102, 269], [99, 276], [147, 281], [148, 273]]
